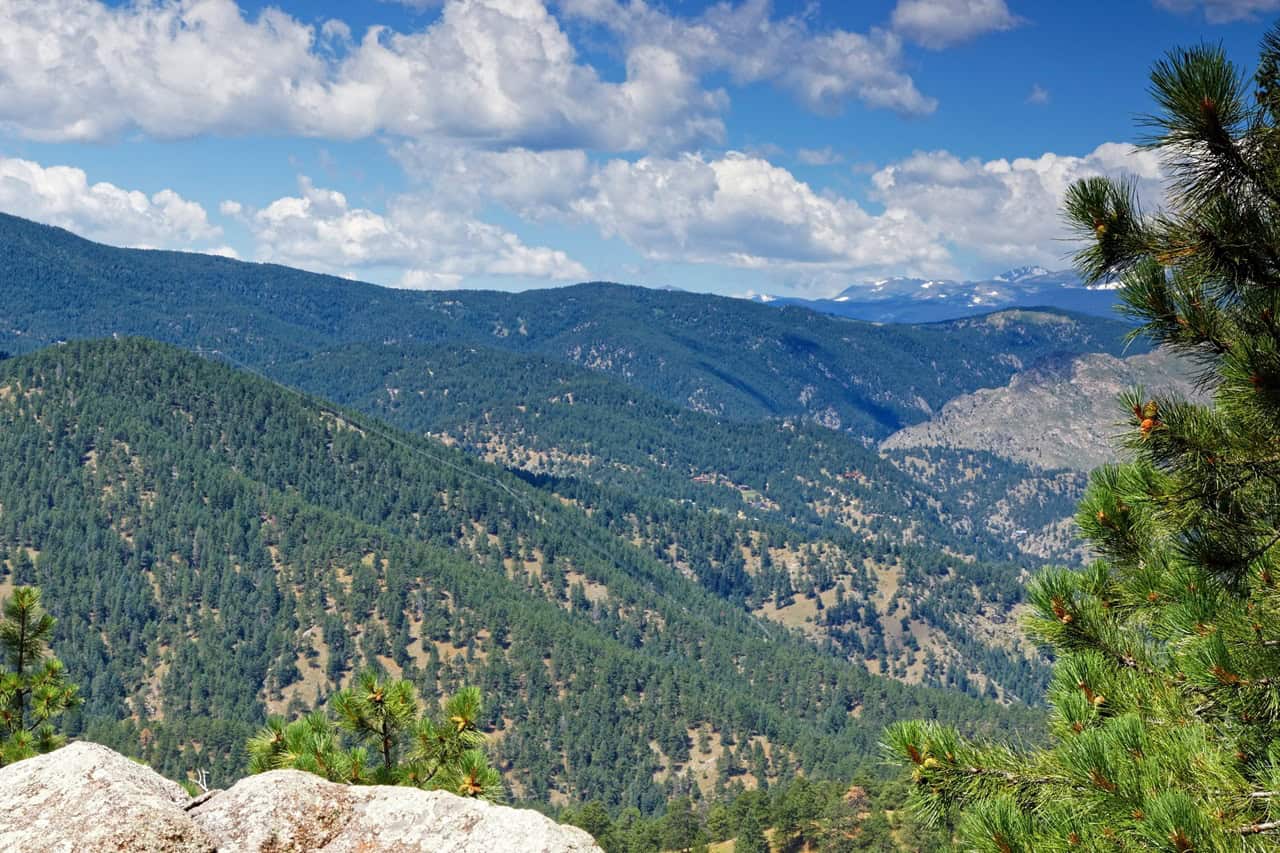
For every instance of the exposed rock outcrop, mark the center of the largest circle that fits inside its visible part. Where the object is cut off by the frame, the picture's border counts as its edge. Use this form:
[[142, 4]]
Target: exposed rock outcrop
[[288, 810], [1060, 414], [84, 797]]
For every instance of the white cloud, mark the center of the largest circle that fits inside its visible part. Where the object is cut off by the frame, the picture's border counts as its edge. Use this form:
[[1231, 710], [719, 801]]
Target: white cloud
[[740, 210], [736, 210], [493, 74], [1039, 95], [1004, 210], [823, 70], [63, 196], [936, 24], [495, 71], [222, 252], [533, 184], [1222, 11], [743, 211], [319, 230], [825, 156]]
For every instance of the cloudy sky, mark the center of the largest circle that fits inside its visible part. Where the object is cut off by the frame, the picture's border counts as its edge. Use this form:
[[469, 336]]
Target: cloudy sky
[[744, 145]]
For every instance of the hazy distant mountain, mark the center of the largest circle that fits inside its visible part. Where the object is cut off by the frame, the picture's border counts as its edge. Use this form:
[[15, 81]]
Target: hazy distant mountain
[[916, 300]]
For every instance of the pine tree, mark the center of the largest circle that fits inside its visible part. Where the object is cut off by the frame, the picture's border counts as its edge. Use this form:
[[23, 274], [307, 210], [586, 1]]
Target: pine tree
[[378, 735], [750, 836], [1165, 696], [681, 829], [594, 818], [34, 690]]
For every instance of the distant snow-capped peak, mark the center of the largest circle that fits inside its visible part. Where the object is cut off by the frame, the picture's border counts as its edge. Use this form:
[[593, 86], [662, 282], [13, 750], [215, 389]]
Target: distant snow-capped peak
[[1019, 273], [1004, 288]]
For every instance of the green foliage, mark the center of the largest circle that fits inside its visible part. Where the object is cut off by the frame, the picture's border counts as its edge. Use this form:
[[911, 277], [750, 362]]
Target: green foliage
[[750, 838], [217, 548], [1165, 698], [797, 814], [34, 688], [377, 735]]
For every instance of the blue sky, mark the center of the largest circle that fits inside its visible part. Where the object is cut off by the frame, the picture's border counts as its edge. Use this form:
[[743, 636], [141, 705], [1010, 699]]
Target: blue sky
[[788, 147]]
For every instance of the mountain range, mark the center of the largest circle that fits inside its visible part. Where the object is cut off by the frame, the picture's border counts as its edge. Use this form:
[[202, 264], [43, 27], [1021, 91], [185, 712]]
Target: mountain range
[[916, 300], [679, 539]]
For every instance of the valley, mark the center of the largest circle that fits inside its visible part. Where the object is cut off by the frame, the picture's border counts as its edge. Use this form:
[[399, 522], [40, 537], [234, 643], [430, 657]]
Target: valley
[[632, 473]]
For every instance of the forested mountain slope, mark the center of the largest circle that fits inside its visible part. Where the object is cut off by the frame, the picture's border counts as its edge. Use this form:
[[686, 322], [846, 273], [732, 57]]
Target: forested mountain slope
[[214, 545], [711, 496], [731, 441], [725, 356], [559, 419]]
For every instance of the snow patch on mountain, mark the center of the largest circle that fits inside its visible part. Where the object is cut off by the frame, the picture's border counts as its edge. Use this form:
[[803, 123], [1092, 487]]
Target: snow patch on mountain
[[907, 299]]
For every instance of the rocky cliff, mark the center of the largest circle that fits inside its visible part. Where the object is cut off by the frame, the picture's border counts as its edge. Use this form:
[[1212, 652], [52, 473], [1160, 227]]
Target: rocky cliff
[[1061, 414], [84, 797]]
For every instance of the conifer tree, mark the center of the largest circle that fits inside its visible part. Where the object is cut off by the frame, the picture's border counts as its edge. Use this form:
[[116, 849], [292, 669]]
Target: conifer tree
[[34, 690], [377, 735], [750, 836], [1165, 696]]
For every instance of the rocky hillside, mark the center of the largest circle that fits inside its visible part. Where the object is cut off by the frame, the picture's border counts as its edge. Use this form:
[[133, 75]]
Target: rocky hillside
[[1058, 414], [85, 797], [1019, 454]]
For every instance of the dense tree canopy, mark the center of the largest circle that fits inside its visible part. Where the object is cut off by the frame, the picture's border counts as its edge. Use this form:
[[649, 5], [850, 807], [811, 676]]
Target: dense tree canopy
[[1165, 696], [218, 549]]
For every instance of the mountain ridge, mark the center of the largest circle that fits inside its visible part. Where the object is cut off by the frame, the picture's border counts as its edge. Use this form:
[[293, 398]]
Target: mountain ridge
[[715, 354]]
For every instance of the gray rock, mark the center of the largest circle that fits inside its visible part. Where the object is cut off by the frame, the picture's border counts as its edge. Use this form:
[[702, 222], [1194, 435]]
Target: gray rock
[[1060, 414], [287, 810], [84, 797]]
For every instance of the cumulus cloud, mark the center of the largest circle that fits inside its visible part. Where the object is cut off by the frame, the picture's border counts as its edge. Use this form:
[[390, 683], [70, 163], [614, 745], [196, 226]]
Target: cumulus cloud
[[1039, 95], [1004, 210], [1222, 11], [736, 210], [743, 211], [936, 24], [221, 252], [500, 72], [533, 184], [319, 230], [494, 73], [63, 196], [823, 70]]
